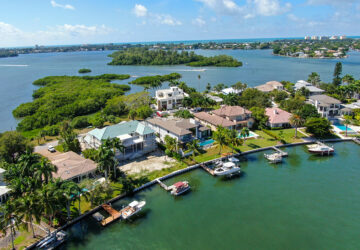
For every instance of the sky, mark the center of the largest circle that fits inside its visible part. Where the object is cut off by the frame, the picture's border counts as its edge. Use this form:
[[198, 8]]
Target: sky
[[58, 22]]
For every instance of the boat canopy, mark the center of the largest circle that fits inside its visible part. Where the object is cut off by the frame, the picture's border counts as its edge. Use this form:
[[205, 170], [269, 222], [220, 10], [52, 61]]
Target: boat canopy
[[233, 159], [134, 204], [228, 164]]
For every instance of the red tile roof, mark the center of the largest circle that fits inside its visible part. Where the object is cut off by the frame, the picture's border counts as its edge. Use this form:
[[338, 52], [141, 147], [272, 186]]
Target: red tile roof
[[231, 111], [277, 115]]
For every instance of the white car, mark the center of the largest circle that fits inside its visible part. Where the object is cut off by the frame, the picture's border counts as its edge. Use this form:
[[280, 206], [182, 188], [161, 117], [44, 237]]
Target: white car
[[51, 149]]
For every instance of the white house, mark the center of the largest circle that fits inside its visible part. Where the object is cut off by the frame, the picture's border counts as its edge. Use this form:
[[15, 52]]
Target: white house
[[313, 90], [167, 99], [4, 190], [326, 106], [137, 138], [231, 90]]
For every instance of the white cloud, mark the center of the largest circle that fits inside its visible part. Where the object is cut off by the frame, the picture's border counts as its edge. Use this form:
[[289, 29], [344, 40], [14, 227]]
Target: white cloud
[[67, 33], [330, 2], [140, 10], [199, 22], [251, 9], [64, 6]]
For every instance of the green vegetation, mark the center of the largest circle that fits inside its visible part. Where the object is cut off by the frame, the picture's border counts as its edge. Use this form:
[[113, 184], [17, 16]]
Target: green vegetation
[[145, 56], [83, 71], [319, 127], [155, 81], [5, 53], [66, 97], [183, 114]]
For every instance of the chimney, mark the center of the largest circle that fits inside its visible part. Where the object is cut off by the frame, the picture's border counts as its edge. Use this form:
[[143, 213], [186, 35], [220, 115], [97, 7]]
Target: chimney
[[276, 112]]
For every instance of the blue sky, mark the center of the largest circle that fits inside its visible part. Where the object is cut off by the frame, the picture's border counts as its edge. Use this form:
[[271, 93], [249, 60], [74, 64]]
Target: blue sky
[[50, 22]]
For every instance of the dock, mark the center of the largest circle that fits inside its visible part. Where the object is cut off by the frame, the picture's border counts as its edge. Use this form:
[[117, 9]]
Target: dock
[[163, 185], [114, 215], [209, 170], [282, 153], [356, 140]]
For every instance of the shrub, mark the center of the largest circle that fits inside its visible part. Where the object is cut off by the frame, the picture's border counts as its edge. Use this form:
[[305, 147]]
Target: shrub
[[82, 71], [80, 122]]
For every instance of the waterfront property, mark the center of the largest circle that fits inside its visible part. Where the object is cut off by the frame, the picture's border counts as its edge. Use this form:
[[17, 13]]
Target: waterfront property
[[184, 130], [326, 106], [348, 109], [230, 90], [311, 88], [215, 98], [72, 166], [4, 190], [167, 99], [231, 117], [270, 86], [137, 138], [277, 118]]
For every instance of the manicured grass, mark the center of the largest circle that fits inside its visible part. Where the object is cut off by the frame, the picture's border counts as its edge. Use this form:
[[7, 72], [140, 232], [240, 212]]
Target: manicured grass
[[288, 135], [210, 154], [261, 142]]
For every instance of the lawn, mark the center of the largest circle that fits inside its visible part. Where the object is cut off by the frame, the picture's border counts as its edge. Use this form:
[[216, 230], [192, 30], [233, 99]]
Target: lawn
[[288, 135], [210, 154], [261, 142]]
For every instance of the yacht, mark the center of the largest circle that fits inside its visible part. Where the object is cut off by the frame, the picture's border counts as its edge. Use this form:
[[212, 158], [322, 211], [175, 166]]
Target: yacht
[[274, 158], [320, 149], [132, 209], [52, 241], [179, 188], [227, 168]]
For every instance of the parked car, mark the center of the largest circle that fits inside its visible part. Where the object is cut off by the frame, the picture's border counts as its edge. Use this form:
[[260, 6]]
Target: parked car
[[51, 149]]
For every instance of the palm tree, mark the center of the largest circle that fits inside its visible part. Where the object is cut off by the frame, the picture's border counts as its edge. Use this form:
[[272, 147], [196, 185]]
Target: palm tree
[[9, 219], [114, 144], [194, 146], [44, 170], [106, 160], [296, 121], [244, 133], [28, 207], [50, 200], [71, 191], [220, 137], [233, 138], [346, 123]]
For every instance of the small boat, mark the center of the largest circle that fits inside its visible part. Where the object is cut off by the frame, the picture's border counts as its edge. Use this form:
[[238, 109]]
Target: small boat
[[274, 158], [234, 160], [320, 149], [132, 209], [54, 240], [179, 188], [227, 168]]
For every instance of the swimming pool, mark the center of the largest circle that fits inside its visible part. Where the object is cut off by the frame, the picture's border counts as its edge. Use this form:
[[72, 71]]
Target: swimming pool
[[251, 134], [206, 143], [343, 128]]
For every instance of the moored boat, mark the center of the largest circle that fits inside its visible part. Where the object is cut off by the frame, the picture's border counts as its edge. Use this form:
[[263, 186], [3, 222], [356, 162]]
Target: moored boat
[[320, 149], [179, 188], [227, 168], [132, 209], [274, 158]]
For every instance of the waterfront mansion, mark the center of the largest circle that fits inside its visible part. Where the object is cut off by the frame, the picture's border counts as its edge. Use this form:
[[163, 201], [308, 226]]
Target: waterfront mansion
[[167, 99], [137, 138]]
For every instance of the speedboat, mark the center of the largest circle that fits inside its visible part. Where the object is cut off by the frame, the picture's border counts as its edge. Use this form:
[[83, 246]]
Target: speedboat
[[179, 188], [234, 160], [227, 168], [132, 209], [320, 149], [274, 158]]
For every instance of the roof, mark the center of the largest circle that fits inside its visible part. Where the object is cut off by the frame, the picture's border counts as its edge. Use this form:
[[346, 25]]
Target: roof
[[179, 184], [231, 111], [214, 119], [230, 90], [269, 86], [307, 85], [277, 116], [177, 127], [71, 165], [121, 129], [214, 98], [324, 99]]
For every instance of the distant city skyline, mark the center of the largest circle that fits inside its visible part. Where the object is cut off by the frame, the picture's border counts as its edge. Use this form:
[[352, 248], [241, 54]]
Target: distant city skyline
[[58, 22]]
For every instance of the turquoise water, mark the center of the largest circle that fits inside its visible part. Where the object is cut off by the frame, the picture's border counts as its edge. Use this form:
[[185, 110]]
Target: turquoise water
[[260, 66], [251, 134], [207, 142], [307, 202], [343, 128]]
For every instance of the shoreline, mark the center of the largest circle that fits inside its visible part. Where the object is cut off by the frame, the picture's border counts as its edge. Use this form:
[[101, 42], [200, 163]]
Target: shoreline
[[181, 171]]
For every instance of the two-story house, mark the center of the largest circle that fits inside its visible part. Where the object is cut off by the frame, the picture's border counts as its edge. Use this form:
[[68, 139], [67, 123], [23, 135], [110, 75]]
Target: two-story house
[[326, 106], [184, 130], [312, 89], [270, 86], [231, 117], [137, 138], [167, 99]]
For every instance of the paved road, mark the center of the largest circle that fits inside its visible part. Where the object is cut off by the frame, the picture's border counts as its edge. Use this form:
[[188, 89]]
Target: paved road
[[46, 145]]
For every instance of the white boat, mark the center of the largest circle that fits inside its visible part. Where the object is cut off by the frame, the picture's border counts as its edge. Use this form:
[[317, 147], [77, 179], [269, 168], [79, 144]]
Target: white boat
[[132, 209], [321, 149], [274, 158], [227, 168], [179, 188], [234, 160]]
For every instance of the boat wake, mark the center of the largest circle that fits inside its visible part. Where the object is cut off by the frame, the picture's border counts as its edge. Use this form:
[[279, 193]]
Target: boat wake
[[13, 65], [195, 70]]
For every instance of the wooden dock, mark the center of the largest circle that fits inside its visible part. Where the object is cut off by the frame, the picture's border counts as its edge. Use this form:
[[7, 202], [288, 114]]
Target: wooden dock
[[114, 215], [283, 153], [163, 185], [209, 170]]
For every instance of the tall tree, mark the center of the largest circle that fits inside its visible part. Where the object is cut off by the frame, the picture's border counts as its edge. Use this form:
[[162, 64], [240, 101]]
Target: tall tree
[[44, 170], [244, 133], [233, 138], [9, 220], [114, 144], [296, 121], [13, 145], [240, 86], [194, 147], [69, 138], [28, 207], [337, 74], [314, 79], [220, 137]]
